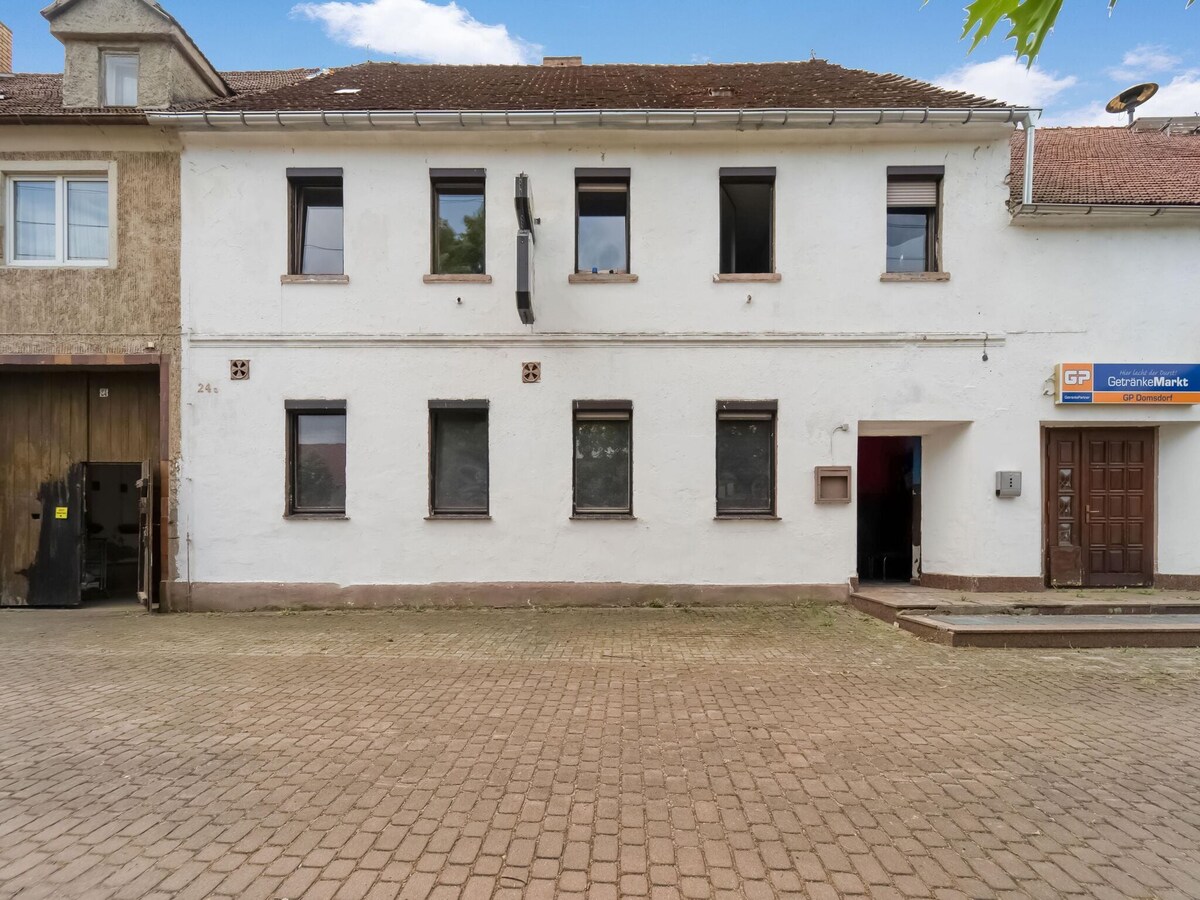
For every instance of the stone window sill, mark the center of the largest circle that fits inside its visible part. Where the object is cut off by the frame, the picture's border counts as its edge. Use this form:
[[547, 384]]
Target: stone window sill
[[453, 517], [915, 276], [314, 279], [746, 277], [317, 517], [611, 517], [601, 278], [746, 517], [465, 278]]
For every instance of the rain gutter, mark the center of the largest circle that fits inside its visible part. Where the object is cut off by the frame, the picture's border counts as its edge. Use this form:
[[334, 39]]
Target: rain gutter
[[589, 118], [1028, 213]]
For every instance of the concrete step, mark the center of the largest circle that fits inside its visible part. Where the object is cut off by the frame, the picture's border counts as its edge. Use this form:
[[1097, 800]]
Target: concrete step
[[1055, 631], [887, 607]]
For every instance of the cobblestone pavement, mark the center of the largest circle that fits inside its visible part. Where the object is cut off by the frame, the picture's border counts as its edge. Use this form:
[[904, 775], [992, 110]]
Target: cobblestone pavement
[[804, 752]]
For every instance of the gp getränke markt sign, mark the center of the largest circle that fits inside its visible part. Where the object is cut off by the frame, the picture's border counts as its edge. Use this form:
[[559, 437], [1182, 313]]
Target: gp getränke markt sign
[[1136, 383]]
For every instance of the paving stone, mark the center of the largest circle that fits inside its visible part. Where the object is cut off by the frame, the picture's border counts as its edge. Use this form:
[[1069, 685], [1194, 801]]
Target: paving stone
[[784, 753]]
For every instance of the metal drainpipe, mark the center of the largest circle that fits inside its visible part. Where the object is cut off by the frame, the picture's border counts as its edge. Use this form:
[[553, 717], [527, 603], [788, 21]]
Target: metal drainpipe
[[1027, 183]]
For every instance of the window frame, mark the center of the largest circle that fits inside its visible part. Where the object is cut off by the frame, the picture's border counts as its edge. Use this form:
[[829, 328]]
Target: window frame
[[293, 410], [600, 410], [605, 179], [299, 181], [932, 213], [60, 177], [748, 410], [105, 56], [437, 407], [747, 175], [457, 181]]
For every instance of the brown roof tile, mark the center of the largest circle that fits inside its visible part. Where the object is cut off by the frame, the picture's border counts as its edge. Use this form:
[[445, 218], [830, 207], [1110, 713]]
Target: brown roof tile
[[265, 79], [34, 96], [813, 84], [1111, 165]]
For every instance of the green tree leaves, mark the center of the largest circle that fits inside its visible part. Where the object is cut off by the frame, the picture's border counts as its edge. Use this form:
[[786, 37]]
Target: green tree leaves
[[1031, 21]]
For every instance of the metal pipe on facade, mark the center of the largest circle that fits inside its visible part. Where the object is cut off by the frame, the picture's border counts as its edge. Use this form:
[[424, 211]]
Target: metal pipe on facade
[[1027, 182]]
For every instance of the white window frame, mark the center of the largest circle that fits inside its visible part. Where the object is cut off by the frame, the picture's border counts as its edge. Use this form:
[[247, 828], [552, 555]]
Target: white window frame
[[105, 56], [59, 172]]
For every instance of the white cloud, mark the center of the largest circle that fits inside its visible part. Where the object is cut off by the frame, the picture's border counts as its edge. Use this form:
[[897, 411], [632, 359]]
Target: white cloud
[[1178, 97], [419, 30], [1142, 61], [1008, 80], [1091, 114]]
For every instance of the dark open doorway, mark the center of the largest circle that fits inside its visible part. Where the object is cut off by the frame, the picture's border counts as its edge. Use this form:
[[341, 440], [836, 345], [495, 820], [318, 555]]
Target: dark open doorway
[[111, 534], [889, 508]]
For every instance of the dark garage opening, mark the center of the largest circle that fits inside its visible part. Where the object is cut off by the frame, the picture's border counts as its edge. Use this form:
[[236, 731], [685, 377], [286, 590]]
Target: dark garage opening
[[889, 507], [110, 557]]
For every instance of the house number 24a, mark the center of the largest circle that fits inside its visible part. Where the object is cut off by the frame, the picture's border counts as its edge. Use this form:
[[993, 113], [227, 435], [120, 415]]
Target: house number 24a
[[206, 388]]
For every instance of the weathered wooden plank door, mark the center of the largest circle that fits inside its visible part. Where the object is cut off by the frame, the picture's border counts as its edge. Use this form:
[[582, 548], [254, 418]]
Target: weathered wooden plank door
[[145, 488], [43, 445], [1100, 507], [56, 577]]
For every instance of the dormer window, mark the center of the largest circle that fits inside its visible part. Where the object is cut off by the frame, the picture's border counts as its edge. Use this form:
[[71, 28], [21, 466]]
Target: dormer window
[[120, 79]]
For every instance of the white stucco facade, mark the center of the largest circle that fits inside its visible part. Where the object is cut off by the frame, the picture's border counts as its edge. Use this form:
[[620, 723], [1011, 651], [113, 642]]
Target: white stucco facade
[[830, 342]]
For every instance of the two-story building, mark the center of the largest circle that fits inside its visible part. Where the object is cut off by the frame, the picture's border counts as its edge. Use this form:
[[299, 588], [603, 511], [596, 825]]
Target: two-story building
[[573, 333], [624, 333], [89, 302]]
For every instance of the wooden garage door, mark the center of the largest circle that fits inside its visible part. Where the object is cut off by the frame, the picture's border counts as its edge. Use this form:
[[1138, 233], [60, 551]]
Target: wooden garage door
[[1100, 506], [51, 424]]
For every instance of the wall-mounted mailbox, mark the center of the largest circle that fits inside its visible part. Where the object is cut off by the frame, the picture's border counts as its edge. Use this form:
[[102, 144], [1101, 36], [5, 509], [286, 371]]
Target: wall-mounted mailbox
[[832, 484], [1008, 484]]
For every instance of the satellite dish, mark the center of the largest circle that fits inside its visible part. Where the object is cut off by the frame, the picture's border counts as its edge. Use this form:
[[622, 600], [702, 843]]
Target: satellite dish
[[1131, 98]]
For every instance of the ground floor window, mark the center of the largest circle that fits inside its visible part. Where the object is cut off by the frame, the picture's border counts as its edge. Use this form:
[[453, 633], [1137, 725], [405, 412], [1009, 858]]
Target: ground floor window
[[746, 457], [316, 457], [458, 458], [603, 468]]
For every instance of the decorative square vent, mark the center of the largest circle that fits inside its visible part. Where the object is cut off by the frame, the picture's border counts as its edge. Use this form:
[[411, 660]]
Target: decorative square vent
[[531, 372], [239, 369]]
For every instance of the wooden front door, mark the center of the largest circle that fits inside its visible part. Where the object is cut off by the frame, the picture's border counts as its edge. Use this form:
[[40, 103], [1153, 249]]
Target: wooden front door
[[1100, 492]]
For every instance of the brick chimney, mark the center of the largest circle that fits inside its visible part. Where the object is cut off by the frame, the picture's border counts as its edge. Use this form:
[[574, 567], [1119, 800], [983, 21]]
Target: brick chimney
[[5, 49], [560, 62]]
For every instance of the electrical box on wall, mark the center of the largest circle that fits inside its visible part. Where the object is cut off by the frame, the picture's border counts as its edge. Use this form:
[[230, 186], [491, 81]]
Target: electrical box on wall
[[832, 484], [1008, 484]]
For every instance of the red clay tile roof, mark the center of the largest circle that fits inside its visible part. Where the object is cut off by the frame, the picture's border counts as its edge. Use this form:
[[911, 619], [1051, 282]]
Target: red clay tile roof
[[1110, 165], [813, 84], [32, 96], [265, 79]]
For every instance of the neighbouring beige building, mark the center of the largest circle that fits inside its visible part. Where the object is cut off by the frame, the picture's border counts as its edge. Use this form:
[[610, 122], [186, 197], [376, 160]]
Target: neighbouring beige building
[[89, 303]]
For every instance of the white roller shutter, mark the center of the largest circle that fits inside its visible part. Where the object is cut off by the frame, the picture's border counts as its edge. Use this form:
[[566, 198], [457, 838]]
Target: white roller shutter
[[912, 192]]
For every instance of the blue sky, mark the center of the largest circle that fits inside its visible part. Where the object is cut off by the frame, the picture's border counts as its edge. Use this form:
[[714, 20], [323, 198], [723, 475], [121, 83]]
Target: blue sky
[[1088, 58]]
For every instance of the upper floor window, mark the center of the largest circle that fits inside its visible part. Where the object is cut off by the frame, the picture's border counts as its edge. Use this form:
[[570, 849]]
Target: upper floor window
[[747, 220], [602, 220], [458, 221], [120, 79], [57, 220], [913, 218], [315, 238]]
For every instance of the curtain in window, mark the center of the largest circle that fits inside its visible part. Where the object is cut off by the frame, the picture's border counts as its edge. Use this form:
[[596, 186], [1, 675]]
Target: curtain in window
[[33, 220], [120, 79], [87, 220]]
